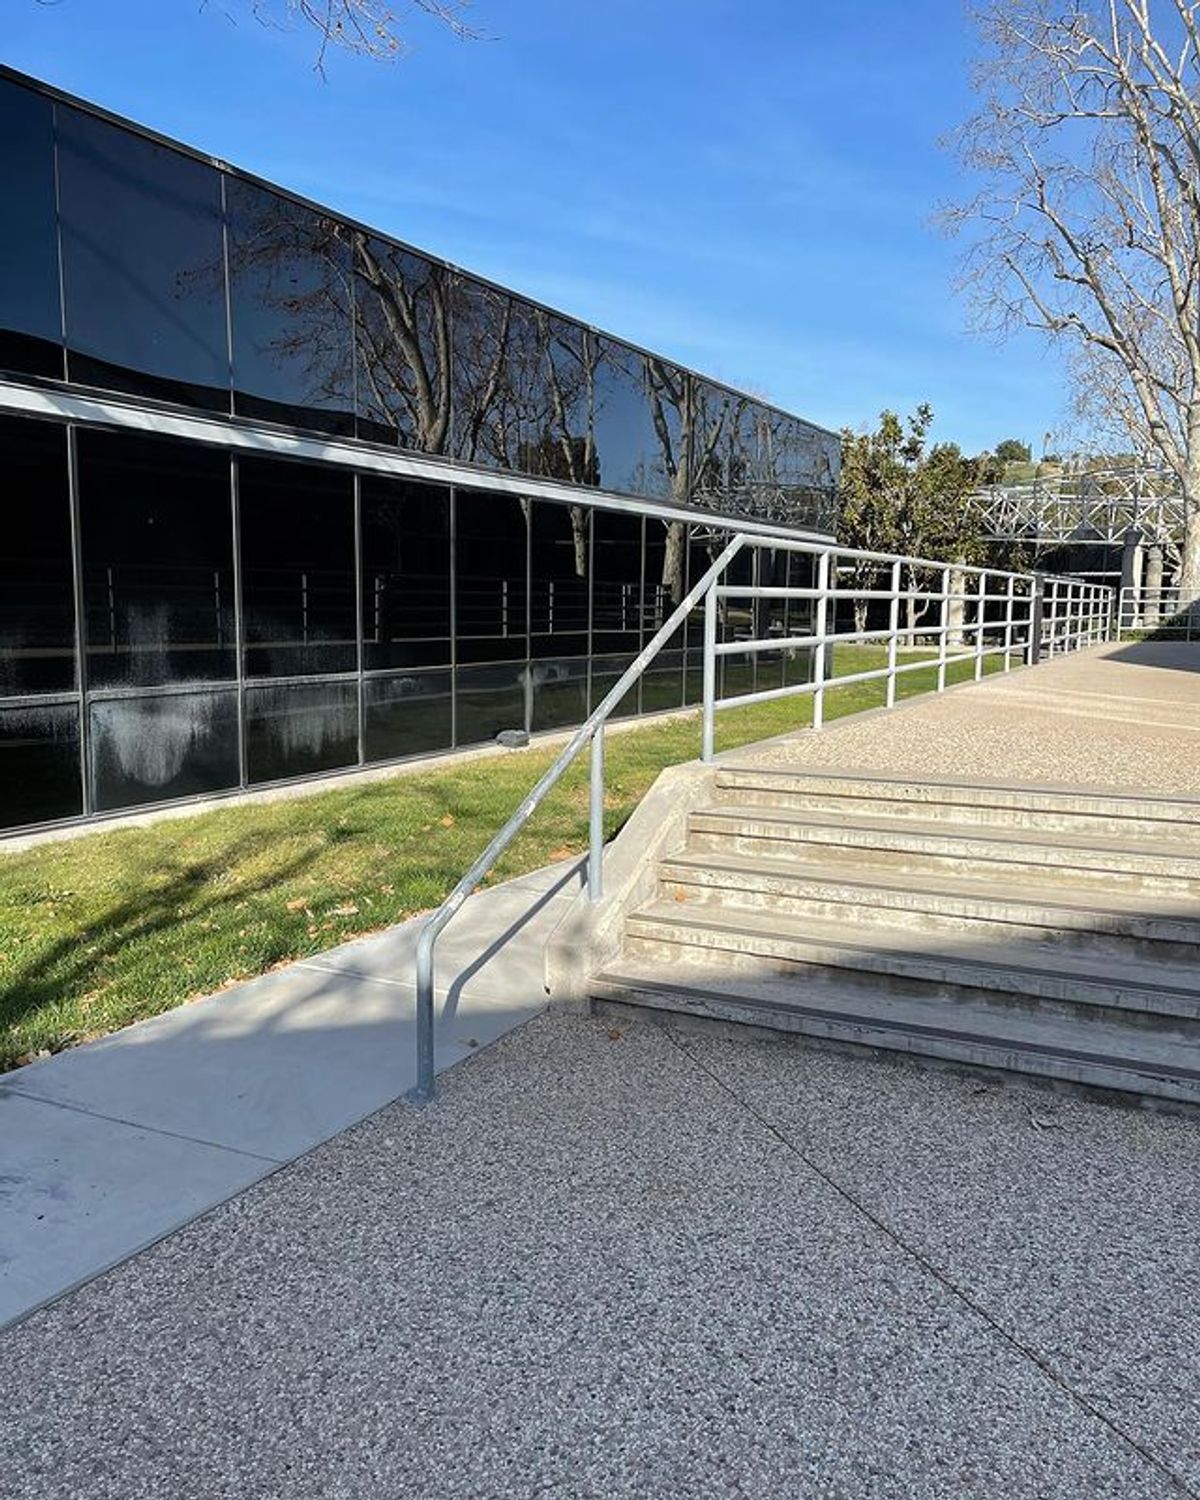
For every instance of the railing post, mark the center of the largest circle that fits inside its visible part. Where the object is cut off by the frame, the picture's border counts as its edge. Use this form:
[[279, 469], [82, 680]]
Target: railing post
[[425, 1024], [595, 869], [893, 634], [1008, 622], [980, 615], [708, 710], [819, 626], [1037, 608], [944, 626]]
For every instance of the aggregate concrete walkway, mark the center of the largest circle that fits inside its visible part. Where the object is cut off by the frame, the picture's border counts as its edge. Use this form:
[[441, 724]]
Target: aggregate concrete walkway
[[1118, 716], [613, 1260], [622, 1261], [107, 1147]]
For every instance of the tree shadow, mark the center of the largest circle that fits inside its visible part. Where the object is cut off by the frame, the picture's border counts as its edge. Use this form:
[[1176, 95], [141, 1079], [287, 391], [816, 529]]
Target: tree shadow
[[77, 959], [1162, 650]]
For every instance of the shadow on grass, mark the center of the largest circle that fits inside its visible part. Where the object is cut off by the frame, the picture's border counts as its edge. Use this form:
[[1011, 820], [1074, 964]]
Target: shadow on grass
[[76, 961]]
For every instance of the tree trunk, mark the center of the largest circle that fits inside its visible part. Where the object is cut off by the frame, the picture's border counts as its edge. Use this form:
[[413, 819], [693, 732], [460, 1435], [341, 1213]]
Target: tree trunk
[[1189, 570], [673, 559]]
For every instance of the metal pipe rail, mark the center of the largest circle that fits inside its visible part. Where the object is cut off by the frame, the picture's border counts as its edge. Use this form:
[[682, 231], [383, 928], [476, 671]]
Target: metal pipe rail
[[1157, 610], [591, 731], [1035, 615]]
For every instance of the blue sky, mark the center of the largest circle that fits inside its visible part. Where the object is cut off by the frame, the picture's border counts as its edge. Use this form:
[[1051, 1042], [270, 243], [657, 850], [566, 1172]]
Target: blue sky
[[745, 185]]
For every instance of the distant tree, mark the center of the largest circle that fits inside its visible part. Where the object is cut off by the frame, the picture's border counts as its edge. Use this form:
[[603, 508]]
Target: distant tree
[[898, 495], [1013, 451]]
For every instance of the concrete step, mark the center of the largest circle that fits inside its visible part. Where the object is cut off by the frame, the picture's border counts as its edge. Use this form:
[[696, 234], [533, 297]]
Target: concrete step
[[880, 844], [1151, 928], [1113, 816], [1160, 1067], [963, 970]]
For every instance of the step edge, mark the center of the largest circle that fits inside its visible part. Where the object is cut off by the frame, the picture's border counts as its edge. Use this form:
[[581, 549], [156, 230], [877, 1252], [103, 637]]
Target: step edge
[[1117, 1063], [675, 920]]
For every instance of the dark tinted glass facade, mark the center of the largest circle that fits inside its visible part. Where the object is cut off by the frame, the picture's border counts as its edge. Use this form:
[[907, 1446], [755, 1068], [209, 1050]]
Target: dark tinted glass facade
[[184, 616], [186, 281]]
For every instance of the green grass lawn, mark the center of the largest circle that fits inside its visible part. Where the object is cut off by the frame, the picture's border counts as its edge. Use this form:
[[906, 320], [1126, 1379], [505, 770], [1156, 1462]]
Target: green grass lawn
[[101, 931]]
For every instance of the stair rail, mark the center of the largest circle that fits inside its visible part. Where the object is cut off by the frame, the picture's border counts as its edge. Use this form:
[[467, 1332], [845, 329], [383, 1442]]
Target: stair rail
[[1033, 615], [591, 731]]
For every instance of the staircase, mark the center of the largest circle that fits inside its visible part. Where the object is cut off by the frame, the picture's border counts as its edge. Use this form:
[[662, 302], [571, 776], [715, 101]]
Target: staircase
[[1027, 930]]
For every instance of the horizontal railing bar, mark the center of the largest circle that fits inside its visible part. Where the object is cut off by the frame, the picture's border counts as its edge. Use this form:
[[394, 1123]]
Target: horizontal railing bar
[[816, 549], [797, 642], [830, 683]]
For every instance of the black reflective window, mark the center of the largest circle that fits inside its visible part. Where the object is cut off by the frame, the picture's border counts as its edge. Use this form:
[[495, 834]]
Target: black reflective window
[[501, 398], [143, 264], [805, 462], [290, 310], [662, 683], [798, 616], [703, 545], [30, 316], [297, 729], [298, 593], [617, 543], [156, 522], [39, 763], [491, 699], [407, 713], [617, 558], [491, 576], [747, 480], [405, 574], [560, 553], [560, 541], [157, 748], [558, 441], [638, 421], [37, 609], [712, 418], [402, 338]]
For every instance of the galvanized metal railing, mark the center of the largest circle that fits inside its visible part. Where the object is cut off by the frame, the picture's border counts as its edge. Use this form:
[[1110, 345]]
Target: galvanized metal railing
[[980, 613], [1157, 611]]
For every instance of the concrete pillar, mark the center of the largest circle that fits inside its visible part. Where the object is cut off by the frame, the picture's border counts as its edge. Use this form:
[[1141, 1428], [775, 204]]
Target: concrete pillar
[[1133, 559], [1153, 583]]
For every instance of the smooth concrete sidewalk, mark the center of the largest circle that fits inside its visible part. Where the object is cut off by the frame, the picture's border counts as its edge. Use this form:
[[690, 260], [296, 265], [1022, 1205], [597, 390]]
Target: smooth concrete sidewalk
[[108, 1147]]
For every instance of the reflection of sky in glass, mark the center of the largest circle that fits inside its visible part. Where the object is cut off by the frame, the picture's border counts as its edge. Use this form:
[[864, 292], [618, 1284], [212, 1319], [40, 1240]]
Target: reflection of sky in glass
[[142, 251], [28, 255], [143, 266], [630, 451]]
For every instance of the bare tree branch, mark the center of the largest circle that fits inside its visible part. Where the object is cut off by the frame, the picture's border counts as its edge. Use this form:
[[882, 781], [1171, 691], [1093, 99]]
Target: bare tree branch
[[367, 28]]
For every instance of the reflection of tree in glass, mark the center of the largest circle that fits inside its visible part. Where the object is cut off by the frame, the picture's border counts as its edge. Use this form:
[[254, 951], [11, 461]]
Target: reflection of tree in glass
[[689, 431], [291, 296], [402, 330]]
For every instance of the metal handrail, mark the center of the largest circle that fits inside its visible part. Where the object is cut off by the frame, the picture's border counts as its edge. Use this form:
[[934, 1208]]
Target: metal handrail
[[1061, 614], [591, 730]]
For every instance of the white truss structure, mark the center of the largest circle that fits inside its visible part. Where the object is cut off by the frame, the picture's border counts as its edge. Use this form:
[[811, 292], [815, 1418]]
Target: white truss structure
[[1086, 507]]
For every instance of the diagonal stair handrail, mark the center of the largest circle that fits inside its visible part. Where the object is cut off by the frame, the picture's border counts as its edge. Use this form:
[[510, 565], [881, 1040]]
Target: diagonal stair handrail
[[590, 731], [1060, 614]]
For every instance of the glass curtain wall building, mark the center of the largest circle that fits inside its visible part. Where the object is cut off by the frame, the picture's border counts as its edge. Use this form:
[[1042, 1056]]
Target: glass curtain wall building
[[281, 496]]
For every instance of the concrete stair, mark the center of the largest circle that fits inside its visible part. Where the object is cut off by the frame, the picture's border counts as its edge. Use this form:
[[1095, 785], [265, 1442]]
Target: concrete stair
[[1044, 931]]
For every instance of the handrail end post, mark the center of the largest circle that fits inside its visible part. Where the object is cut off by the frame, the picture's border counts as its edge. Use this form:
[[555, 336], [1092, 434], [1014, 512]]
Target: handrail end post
[[595, 864], [423, 1090]]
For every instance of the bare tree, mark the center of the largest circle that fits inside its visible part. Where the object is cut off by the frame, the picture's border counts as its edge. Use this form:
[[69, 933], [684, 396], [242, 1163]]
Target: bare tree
[[1086, 225], [369, 28]]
